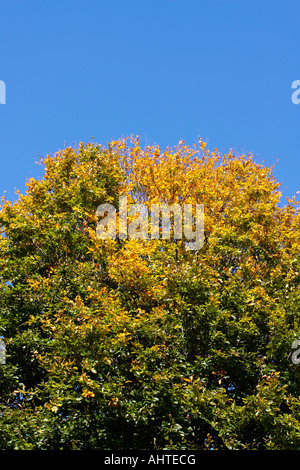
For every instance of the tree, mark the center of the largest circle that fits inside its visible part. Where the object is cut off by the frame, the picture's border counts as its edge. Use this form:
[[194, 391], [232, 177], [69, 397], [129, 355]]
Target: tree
[[144, 343]]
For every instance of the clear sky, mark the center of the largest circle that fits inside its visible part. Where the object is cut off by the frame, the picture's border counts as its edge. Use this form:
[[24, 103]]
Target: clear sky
[[168, 70]]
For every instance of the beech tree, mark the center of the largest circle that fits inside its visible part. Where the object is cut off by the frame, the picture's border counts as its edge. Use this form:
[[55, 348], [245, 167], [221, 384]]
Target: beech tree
[[144, 343]]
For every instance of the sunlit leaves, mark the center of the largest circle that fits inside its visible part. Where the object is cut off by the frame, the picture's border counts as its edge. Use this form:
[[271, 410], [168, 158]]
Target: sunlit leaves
[[131, 343]]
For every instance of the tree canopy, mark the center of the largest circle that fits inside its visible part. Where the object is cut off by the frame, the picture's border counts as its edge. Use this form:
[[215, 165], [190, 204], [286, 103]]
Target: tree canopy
[[144, 343]]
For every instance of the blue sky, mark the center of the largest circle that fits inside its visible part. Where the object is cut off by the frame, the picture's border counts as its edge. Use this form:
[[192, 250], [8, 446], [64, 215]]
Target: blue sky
[[168, 70]]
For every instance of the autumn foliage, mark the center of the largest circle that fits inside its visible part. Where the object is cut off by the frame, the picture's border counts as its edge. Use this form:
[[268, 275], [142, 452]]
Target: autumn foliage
[[144, 344]]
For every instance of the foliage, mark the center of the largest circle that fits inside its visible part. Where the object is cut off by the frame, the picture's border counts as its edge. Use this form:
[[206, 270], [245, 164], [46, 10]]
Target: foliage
[[144, 344]]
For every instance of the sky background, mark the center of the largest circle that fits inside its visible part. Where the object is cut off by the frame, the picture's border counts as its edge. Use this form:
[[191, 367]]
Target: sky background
[[167, 70]]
